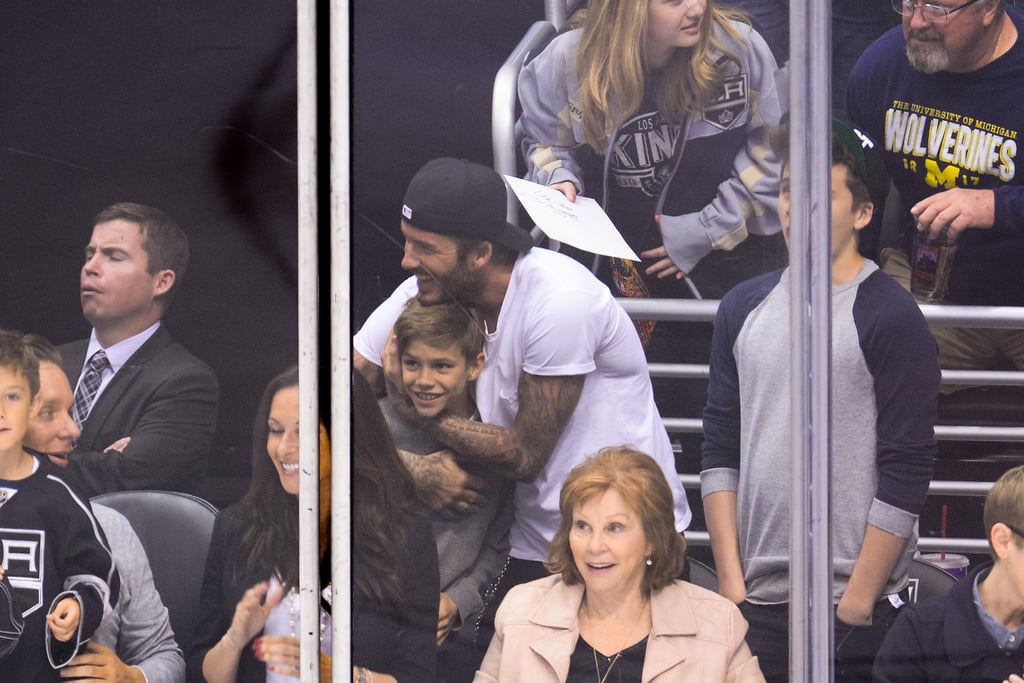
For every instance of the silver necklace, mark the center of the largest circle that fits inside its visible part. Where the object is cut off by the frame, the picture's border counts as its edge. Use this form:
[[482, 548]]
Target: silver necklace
[[600, 678]]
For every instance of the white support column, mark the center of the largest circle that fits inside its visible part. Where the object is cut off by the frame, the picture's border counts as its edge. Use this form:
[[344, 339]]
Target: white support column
[[810, 318], [309, 418], [556, 12], [341, 359]]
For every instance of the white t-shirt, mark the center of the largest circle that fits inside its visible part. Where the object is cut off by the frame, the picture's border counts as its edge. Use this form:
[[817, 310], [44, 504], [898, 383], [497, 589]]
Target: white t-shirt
[[558, 319]]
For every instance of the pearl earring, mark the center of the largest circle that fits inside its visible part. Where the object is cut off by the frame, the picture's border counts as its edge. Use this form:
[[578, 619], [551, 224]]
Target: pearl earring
[[649, 562]]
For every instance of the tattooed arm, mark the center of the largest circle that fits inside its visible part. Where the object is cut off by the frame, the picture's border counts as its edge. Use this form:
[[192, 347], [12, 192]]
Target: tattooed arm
[[520, 451], [442, 484]]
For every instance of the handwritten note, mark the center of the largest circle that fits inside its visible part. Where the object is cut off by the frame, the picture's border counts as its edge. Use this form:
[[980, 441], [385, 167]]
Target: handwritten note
[[582, 223]]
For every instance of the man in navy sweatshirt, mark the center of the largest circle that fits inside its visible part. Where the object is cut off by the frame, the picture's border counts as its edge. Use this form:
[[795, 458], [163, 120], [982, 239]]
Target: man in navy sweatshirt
[[941, 95]]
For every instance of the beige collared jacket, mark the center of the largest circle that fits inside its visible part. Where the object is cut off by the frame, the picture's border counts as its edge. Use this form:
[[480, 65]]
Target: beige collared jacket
[[696, 636]]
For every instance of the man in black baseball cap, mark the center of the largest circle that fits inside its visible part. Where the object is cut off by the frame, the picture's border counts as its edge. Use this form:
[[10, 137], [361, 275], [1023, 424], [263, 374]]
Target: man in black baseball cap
[[462, 199], [453, 220], [565, 374]]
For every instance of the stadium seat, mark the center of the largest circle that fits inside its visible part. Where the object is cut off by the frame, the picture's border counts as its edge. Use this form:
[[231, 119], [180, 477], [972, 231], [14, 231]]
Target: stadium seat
[[702, 575], [175, 530], [927, 580]]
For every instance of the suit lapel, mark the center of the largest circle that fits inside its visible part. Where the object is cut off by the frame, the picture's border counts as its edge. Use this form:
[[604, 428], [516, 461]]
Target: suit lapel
[[116, 391], [73, 357], [556, 648]]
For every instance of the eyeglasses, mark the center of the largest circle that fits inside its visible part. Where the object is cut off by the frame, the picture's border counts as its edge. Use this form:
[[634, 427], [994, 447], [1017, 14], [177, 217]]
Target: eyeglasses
[[933, 14]]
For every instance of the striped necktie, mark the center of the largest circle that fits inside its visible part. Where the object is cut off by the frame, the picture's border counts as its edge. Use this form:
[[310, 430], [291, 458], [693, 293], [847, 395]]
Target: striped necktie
[[87, 387]]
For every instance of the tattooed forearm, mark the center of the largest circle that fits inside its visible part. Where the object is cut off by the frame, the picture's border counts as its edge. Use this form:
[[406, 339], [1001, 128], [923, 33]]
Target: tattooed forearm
[[519, 452], [496, 447], [439, 480], [421, 476], [370, 371]]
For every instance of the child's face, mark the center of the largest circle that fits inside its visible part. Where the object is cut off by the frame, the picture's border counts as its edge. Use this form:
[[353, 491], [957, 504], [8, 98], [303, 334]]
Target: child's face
[[438, 379], [847, 219], [673, 24], [15, 407]]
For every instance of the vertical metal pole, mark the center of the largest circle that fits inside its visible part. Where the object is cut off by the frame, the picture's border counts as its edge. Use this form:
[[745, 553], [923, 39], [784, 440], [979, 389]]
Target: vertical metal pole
[[309, 462], [555, 11], [810, 262], [341, 358]]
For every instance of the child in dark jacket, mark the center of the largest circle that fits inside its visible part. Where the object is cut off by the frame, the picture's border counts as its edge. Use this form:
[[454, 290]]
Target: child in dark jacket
[[51, 548]]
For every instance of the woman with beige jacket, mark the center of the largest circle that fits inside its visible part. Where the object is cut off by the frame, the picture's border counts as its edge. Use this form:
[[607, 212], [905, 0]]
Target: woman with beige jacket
[[613, 611]]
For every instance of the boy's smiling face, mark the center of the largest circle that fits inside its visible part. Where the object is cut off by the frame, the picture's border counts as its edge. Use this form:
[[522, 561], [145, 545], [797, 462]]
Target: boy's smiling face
[[15, 407], [438, 379]]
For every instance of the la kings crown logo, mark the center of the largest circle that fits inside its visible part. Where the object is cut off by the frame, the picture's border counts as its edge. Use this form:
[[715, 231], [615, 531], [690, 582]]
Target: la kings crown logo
[[645, 145], [726, 111], [21, 555]]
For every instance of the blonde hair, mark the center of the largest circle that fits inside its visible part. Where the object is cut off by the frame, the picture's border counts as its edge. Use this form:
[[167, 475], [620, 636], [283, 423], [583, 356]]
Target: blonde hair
[[612, 69], [1005, 503], [643, 487]]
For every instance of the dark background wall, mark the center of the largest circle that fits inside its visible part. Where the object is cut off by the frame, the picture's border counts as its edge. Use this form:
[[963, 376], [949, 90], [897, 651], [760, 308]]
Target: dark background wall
[[190, 106], [422, 81]]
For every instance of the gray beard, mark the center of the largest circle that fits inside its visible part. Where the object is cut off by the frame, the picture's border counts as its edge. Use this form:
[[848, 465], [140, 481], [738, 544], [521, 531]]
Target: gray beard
[[928, 57]]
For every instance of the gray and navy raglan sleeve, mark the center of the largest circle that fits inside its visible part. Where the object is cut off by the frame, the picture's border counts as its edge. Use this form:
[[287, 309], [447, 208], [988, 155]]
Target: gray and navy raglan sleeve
[[902, 356], [720, 453]]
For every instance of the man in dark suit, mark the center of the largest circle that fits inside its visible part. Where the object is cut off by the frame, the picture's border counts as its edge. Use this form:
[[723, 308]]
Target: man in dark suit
[[146, 407]]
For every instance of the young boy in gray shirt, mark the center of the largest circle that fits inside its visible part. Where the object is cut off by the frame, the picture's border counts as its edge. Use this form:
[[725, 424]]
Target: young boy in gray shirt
[[440, 350]]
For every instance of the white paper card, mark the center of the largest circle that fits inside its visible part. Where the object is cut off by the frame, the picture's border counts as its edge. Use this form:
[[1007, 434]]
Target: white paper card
[[582, 223]]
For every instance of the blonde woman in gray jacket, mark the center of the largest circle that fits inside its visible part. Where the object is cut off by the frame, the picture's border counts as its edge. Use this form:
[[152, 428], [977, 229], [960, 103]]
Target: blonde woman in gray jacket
[[658, 110]]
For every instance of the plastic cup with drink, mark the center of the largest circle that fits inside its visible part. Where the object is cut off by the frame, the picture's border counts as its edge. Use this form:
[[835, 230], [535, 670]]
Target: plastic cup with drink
[[931, 264], [952, 563]]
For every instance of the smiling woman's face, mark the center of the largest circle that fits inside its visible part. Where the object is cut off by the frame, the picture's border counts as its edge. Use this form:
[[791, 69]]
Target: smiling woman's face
[[608, 544], [283, 437]]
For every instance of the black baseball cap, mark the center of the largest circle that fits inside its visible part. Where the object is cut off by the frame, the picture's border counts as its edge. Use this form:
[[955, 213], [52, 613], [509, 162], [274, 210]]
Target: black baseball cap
[[460, 198], [867, 157]]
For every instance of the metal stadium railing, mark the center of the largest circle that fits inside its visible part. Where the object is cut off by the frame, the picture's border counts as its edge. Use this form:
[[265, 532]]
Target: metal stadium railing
[[1003, 317]]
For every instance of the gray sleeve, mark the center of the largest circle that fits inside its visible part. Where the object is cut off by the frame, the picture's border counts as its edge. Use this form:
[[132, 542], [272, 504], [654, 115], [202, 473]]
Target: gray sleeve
[[547, 128], [138, 631], [719, 479]]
